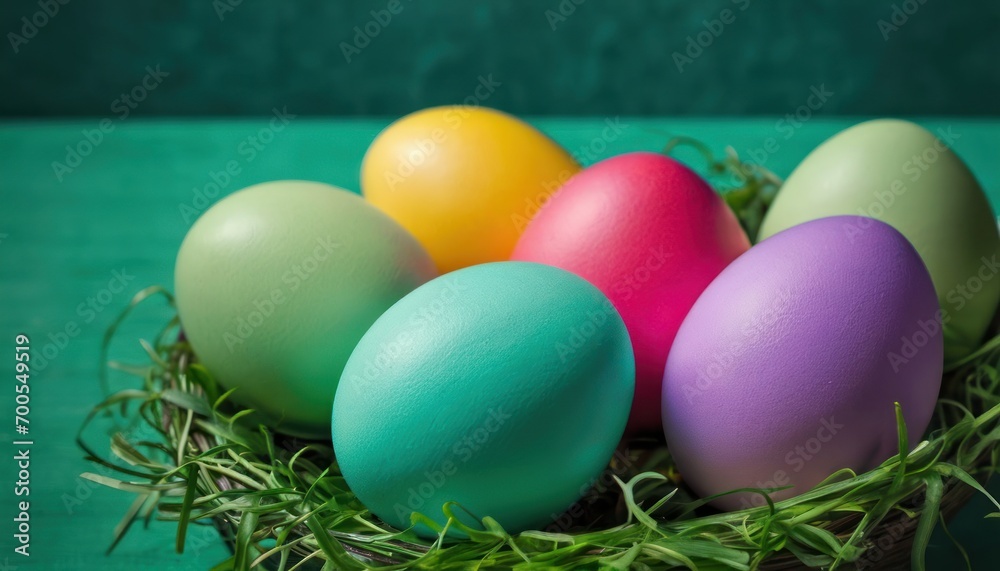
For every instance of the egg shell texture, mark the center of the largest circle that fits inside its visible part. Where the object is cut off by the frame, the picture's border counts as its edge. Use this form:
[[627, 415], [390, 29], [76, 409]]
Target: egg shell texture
[[788, 365], [902, 174], [649, 233], [504, 387], [464, 180], [275, 285]]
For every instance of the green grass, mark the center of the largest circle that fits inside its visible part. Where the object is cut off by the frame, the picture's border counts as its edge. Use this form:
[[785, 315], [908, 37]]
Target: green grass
[[189, 455]]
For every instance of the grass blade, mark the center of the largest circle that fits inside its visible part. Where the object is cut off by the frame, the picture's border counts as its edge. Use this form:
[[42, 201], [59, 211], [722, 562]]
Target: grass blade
[[928, 519]]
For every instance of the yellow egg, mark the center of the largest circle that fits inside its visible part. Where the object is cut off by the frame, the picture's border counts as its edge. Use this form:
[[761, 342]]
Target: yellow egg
[[464, 180]]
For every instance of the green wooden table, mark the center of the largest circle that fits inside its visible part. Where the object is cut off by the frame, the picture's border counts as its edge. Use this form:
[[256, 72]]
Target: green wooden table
[[76, 242]]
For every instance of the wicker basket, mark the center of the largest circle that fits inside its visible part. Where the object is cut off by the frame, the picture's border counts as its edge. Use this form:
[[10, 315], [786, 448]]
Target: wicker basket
[[887, 547]]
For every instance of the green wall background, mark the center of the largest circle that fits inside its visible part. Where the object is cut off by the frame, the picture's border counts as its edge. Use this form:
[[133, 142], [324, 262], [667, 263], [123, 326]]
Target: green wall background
[[244, 57]]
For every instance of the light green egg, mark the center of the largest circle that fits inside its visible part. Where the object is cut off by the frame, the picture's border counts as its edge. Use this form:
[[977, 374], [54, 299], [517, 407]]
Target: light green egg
[[504, 387], [910, 178], [276, 283]]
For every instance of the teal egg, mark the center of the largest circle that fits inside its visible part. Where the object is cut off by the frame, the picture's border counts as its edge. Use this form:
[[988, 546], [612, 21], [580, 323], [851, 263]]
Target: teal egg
[[276, 283], [504, 387]]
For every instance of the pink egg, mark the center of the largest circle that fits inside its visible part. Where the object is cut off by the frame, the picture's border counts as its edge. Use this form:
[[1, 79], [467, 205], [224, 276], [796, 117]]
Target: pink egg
[[649, 233]]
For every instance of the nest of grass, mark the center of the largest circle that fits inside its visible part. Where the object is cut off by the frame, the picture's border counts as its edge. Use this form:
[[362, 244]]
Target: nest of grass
[[191, 456]]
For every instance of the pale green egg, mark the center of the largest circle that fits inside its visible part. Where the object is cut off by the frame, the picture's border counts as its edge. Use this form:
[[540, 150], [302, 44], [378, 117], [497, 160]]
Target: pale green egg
[[910, 178], [275, 285]]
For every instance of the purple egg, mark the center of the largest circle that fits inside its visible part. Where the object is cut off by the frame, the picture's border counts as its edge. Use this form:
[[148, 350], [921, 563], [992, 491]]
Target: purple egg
[[787, 367]]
